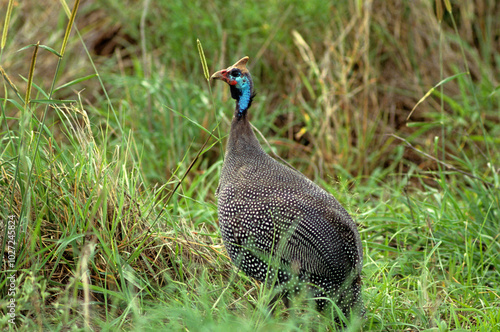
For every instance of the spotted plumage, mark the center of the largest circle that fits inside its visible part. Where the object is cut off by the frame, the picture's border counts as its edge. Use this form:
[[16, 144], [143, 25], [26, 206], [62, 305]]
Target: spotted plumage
[[277, 225]]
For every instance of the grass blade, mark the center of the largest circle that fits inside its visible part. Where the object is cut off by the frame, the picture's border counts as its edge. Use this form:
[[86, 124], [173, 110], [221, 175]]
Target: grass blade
[[30, 77], [6, 23], [432, 90], [78, 80], [70, 25], [439, 10], [10, 83], [52, 101], [203, 60]]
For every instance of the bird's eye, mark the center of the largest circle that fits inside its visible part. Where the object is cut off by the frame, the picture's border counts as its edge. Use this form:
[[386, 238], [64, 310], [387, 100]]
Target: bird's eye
[[235, 72]]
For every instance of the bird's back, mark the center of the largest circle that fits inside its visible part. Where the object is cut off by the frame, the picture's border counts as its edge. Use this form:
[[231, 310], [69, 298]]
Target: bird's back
[[268, 210]]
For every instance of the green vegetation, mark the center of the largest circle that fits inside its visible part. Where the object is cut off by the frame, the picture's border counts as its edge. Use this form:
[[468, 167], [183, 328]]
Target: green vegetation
[[392, 109]]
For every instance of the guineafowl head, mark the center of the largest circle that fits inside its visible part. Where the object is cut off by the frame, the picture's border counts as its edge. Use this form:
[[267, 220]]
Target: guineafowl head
[[240, 82]]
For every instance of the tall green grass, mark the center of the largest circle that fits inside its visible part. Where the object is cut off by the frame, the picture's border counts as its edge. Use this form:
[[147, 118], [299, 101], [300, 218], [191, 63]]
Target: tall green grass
[[100, 125]]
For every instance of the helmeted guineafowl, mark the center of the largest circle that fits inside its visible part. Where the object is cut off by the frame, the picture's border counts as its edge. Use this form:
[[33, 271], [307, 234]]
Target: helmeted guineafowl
[[277, 225]]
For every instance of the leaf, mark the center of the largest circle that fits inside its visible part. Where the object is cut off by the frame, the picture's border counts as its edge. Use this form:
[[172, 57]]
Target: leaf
[[446, 80], [494, 91], [30, 77], [45, 47], [192, 121], [52, 101], [51, 50], [78, 80]]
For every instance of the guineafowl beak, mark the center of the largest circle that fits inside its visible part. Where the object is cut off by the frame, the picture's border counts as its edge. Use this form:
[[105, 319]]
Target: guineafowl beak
[[222, 75]]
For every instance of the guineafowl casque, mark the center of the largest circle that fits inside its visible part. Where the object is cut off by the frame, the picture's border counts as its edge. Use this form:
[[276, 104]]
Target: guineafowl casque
[[269, 212]]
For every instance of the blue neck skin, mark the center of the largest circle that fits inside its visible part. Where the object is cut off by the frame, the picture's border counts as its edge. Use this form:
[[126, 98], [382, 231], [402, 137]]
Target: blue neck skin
[[242, 92], [243, 102]]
